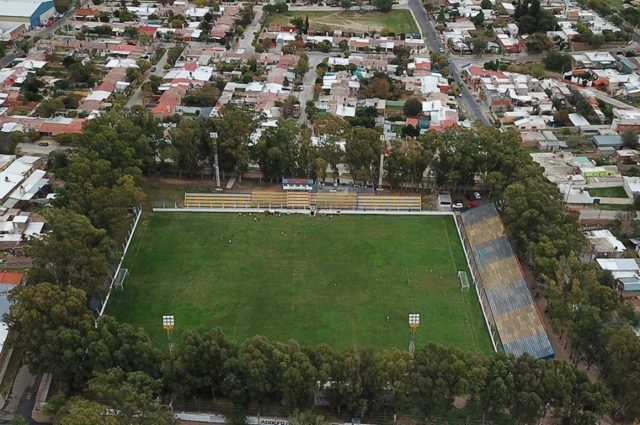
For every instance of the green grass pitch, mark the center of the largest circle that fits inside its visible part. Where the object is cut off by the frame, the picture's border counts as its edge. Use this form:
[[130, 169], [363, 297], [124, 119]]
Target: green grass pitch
[[349, 281]]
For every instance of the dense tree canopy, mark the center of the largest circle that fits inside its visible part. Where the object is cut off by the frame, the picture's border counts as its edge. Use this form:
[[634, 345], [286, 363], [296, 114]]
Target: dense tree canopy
[[49, 323], [74, 253]]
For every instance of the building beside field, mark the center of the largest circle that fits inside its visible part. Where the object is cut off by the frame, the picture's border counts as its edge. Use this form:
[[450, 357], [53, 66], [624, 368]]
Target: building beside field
[[29, 12]]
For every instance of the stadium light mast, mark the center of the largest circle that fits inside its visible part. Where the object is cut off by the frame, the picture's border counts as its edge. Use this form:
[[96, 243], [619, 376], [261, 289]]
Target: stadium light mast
[[168, 323], [214, 137], [414, 322]]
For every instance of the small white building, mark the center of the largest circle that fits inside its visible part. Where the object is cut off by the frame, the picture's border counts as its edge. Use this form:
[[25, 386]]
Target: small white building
[[602, 244], [631, 185]]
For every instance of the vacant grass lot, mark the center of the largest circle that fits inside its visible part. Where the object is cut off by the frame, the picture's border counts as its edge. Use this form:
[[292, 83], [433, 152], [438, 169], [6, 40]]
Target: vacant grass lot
[[608, 192], [347, 281], [397, 21]]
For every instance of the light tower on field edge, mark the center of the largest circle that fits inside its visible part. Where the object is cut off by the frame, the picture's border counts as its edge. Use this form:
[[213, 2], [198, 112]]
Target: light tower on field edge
[[168, 322], [414, 322]]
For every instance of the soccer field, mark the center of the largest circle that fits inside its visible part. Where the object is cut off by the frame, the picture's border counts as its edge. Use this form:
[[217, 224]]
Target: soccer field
[[349, 281], [397, 21]]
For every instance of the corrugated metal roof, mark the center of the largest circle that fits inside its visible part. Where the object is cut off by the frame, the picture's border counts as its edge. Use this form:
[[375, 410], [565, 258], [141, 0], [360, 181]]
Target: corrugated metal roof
[[607, 140], [630, 284], [4, 304]]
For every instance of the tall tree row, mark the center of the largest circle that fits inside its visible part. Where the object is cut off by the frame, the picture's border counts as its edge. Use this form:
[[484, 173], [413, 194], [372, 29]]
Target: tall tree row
[[362, 382]]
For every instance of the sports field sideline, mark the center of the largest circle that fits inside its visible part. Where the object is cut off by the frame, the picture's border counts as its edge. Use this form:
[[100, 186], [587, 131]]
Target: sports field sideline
[[349, 281]]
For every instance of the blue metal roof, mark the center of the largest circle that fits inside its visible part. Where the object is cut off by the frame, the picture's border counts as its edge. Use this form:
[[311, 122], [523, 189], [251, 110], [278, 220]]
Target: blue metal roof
[[608, 140]]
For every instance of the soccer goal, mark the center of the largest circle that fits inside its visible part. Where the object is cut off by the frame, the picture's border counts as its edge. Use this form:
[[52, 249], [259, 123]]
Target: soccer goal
[[118, 282], [464, 280]]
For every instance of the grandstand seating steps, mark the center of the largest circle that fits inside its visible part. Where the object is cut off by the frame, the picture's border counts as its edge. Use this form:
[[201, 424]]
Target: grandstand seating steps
[[303, 200], [503, 283]]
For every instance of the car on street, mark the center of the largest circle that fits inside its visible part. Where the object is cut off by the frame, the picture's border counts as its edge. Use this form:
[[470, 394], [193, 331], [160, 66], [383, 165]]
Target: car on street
[[458, 205], [477, 196]]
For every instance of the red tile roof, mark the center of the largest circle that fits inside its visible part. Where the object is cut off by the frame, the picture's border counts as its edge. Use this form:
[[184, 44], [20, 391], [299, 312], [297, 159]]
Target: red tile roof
[[478, 71], [169, 101], [54, 128], [147, 29], [190, 66], [11, 278], [87, 11]]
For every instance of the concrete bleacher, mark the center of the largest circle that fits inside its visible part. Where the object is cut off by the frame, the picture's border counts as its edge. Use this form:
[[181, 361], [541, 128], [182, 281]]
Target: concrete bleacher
[[269, 199], [298, 200], [217, 200], [502, 281], [303, 200], [335, 200], [388, 202]]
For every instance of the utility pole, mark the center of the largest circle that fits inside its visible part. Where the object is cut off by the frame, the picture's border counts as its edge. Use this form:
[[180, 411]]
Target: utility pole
[[381, 169], [383, 139], [214, 137]]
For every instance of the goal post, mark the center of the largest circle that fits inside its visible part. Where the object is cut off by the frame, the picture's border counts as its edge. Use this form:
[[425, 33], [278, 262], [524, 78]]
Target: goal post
[[464, 280], [122, 274]]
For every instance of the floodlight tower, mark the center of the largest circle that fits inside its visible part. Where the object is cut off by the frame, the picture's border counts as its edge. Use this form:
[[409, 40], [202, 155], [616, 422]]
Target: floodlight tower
[[168, 322], [414, 322]]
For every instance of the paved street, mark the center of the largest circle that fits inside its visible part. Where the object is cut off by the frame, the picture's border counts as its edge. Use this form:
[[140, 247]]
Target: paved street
[[250, 31], [136, 97], [433, 42], [309, 82], [608, 99], [21, 397], [596, 214]]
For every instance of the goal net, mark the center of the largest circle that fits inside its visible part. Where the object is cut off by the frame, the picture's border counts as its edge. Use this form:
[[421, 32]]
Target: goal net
[[464, 280], [118, 282]]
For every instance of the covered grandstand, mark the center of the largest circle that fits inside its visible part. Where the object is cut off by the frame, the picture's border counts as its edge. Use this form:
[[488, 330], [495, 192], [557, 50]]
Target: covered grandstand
[[501, 282]]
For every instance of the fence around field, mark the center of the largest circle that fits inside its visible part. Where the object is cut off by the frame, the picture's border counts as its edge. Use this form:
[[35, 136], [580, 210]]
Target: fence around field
[[303, 200], [98, 304]]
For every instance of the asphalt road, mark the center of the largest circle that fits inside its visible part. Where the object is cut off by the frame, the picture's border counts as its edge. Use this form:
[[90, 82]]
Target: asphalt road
[[136, 97], [592, 214], [433, 42], [308, 82], [250, 32]]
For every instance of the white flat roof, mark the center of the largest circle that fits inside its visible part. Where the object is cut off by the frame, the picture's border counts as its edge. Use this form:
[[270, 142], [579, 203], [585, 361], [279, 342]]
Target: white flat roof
[[23, 9], [618, 264], [30, 186], [34, 228]]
